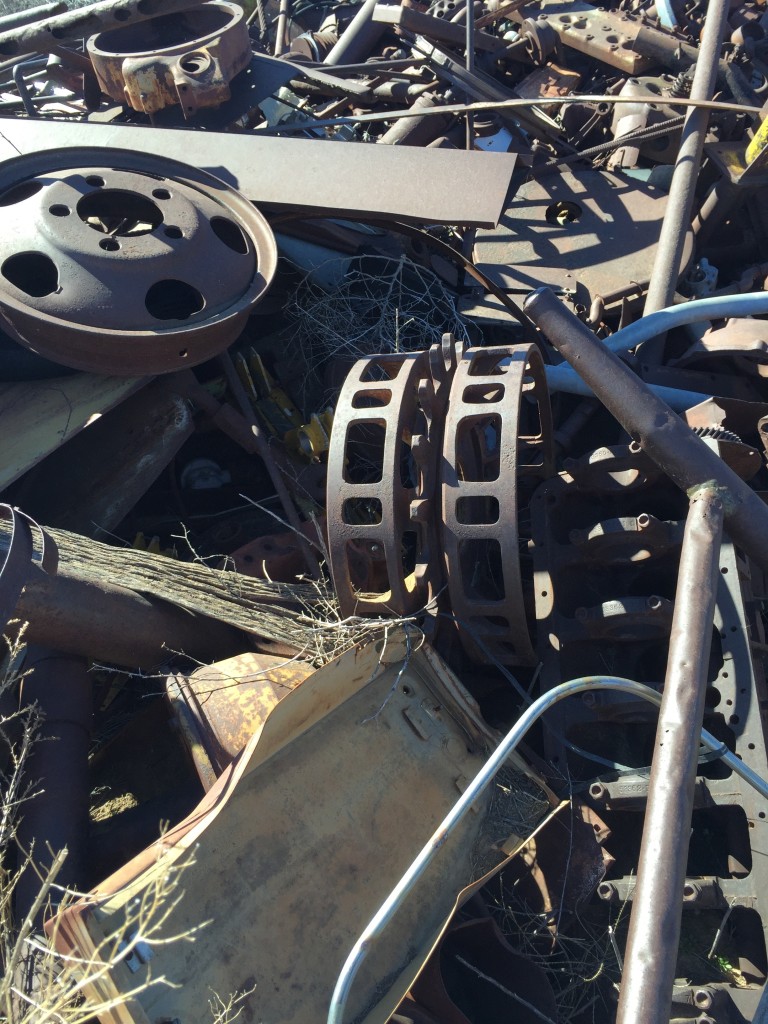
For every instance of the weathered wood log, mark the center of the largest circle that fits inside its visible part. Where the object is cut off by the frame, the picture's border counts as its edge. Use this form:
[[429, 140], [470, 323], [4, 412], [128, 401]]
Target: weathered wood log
[[134, 609]]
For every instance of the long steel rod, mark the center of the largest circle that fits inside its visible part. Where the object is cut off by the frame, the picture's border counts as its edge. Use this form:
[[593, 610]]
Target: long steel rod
[[657, 904], [679, 209], [668, 440], [484, 777]]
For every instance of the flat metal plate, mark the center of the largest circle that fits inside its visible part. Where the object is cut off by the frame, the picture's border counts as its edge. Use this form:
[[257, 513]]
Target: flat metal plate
[[437, 186], [591, 233]]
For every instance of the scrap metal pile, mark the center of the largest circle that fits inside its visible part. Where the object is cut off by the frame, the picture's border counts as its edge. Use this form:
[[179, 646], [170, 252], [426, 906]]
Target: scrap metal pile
[[383, 526]]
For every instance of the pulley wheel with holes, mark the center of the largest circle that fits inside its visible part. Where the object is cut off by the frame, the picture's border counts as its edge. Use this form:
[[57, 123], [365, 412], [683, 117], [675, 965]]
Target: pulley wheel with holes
[[125, 263], [382, 480], [497, 448]]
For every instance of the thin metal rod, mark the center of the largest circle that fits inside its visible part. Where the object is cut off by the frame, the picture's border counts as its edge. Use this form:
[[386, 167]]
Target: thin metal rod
[[470, 65], [679, 209], [23, 89], [514, 104], [668, 440], [657, 904], [481, 781]]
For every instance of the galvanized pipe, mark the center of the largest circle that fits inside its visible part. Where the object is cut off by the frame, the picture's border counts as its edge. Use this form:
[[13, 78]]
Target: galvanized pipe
[[677, 216], [657, 905], [669, 441], [41, 35]]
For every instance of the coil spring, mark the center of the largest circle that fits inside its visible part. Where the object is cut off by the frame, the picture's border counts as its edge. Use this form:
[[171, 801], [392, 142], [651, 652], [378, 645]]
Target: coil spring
[[681, 87]]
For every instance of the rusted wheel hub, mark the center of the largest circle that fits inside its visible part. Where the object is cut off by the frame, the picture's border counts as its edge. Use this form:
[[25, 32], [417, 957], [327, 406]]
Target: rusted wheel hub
[[126, 264]]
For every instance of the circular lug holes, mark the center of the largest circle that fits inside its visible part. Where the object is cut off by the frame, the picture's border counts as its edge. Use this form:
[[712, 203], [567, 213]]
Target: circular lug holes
[[59, 210]]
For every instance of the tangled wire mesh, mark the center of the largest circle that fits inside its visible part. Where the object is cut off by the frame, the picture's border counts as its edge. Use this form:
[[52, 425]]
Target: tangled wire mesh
[[381, 305]]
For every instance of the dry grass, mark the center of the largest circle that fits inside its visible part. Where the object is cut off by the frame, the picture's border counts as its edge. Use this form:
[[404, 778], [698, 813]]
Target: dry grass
[[38, 983]]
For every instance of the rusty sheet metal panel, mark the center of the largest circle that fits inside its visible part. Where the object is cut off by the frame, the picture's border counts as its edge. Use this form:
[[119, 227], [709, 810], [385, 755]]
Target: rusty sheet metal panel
[[219, 707], [298, 844], [314, 175], [587, 233]]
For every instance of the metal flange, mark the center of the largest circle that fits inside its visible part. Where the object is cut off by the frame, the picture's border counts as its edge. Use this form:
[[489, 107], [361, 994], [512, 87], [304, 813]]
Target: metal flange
[[125, 263], [187, 59], [497, 447]]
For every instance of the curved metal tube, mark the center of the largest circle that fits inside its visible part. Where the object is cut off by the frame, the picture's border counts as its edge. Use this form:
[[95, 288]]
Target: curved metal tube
[[483, 778], [715, 308], [564, 378]]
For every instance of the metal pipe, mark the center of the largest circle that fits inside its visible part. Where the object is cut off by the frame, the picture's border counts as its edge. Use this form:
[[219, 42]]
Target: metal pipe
[[281, 32], [670, 442], [666, 13], [358, 37], [677, 216], [481, 781], [413, 131], [564, 378], [657, 904], [56, 816], [21, 85], [18, 18], [39, 36], [717, 307]]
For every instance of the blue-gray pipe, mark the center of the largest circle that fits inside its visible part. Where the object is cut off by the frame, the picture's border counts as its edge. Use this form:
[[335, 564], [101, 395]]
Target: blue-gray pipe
[[462, 806], [563, 378]]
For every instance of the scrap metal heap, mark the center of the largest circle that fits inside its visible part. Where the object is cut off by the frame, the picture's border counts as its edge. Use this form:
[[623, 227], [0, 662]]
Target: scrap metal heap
[[386, 518]]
